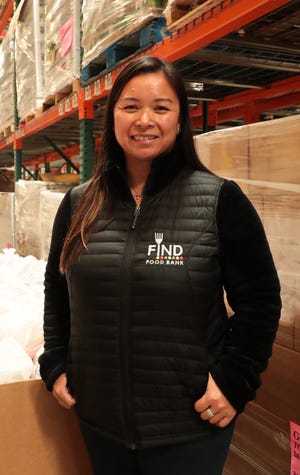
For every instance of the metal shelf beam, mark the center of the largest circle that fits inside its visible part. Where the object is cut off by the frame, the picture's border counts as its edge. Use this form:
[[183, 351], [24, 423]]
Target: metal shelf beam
[[8, 11], [284, 89], [228, 16], [240, 111]]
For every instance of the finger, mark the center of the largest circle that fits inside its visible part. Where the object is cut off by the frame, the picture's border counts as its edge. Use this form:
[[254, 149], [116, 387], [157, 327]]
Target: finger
[[208, 414], [65, 405], [201, 404], [224, 421], [65, 400]]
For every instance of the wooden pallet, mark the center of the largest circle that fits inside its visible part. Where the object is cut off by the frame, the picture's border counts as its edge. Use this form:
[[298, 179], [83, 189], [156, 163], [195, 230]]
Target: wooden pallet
[[191, 15], [52, 100], [6, 132], [60, 95], [130, 44]]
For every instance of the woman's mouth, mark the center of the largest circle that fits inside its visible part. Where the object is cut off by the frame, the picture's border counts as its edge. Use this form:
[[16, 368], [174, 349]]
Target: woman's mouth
[[144, 138]]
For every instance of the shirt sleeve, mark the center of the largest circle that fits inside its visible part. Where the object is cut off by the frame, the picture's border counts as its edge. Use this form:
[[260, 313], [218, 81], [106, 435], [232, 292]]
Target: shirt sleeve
[[253, 292], [56, 302]]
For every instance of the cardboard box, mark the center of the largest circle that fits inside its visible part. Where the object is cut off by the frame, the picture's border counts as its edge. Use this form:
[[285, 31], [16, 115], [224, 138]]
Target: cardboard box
[[263, 158], [225, 152], [38, 437], [261, 442], [260, 445], [280, 391]]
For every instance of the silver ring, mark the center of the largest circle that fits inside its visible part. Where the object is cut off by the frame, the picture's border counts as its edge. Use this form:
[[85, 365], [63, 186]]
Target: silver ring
[[209, 413]]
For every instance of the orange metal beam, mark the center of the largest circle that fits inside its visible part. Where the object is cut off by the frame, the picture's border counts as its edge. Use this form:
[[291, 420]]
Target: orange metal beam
[[230, 15], [7, 142], [282, 88], [57, 112], [8, 11], [69, 151], [291, 99], [239, 111]]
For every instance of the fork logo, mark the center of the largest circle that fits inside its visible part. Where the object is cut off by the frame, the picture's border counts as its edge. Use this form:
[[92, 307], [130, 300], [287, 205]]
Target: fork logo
[[164, 254]]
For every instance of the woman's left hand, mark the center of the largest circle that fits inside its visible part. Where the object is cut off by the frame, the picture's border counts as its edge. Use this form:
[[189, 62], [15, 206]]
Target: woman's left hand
[[214, 407]]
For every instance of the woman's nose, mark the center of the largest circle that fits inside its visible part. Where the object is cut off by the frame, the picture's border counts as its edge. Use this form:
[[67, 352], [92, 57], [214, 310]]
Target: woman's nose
[[145, 118]]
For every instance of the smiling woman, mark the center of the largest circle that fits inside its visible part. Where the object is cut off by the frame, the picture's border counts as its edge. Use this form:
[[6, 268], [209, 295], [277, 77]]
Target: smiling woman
[[137, 336], [146, 118]]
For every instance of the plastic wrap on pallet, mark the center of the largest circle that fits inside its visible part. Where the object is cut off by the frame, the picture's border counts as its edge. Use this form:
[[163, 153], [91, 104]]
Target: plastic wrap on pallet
[[105, 22], [7, 83], [263, 159], [21, 315], [28, 217], [27, 210], [29, 57], [6, 220], [49, 203], [62, 45]]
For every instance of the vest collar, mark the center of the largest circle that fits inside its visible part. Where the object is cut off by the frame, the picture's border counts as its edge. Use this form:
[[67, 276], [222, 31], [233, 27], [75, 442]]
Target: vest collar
[[164, 169]]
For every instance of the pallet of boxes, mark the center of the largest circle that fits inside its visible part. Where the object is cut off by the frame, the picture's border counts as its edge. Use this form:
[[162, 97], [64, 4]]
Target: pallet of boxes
[[263, 158], [37, 435], [180, 12]]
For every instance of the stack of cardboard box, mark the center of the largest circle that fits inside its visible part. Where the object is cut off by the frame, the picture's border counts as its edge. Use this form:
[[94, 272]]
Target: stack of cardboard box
[[263, 159]]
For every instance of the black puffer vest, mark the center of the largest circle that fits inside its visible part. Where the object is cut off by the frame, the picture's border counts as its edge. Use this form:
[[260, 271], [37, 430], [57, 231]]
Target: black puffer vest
[[147, 315]]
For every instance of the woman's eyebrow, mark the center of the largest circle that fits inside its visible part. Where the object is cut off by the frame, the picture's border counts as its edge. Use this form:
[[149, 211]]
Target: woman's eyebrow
[[158, 99], [129, 98]]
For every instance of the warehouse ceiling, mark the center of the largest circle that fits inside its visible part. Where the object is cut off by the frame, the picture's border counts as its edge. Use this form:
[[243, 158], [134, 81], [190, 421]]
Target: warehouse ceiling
[[259, 54], [262, 53]]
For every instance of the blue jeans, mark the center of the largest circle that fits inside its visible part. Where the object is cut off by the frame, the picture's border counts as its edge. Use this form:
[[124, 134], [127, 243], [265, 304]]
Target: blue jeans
[[202, 457]]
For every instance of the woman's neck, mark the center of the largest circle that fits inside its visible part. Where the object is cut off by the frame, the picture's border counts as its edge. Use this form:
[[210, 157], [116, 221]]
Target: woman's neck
[[137, 176]]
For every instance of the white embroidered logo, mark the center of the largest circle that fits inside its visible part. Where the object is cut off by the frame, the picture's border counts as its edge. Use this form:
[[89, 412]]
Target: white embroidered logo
[[163, 254]]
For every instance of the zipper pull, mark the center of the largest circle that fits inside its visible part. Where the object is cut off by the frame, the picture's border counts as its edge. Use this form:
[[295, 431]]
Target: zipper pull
[[137, 212]]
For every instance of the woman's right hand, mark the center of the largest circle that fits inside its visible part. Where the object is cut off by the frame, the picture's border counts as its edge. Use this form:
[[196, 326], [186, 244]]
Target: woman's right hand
[[61, 393]]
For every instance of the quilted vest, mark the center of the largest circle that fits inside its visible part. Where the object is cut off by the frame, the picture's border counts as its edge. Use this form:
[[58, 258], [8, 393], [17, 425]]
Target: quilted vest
[[147, 315]]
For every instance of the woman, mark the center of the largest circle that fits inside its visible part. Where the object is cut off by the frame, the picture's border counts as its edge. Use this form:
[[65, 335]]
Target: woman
[[137, 336]]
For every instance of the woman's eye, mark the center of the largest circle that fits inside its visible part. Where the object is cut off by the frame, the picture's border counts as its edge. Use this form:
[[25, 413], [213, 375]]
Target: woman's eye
[[162, 108], [130, 107]]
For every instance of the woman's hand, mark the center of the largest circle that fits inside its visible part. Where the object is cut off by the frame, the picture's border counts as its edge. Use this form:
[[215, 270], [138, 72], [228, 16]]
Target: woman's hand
[[61, 393], [214, 407]]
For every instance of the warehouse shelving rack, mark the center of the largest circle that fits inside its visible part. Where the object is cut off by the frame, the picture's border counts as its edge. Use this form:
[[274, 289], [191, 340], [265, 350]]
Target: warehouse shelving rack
[[213, 21]]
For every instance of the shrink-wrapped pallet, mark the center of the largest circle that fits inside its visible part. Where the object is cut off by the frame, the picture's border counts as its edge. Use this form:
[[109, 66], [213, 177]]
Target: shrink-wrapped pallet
[[21, 314], [62, 45], [49, 203], [7, 98], [32, 237], [27, 210], [106, 22], [6, 219], [29, 57], [263, 159]]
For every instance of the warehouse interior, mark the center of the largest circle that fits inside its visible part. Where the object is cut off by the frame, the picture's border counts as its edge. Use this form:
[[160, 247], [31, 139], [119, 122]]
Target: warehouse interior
[[240, 63]]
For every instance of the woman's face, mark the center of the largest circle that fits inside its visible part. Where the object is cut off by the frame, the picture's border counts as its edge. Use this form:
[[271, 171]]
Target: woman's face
[[146, 117]]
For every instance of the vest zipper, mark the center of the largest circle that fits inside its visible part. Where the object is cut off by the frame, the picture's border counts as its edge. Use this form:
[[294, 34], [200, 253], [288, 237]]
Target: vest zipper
[[136, 214], [125, 350]]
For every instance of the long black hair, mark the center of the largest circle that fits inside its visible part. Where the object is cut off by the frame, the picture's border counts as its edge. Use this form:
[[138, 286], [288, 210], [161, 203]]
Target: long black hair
[[184, 140], [98, 193]]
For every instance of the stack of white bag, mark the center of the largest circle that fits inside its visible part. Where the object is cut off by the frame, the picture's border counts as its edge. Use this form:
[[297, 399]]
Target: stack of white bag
[[21, 316]]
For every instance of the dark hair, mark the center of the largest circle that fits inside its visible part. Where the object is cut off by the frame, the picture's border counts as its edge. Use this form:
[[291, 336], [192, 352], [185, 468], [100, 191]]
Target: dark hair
[[98, 193]]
